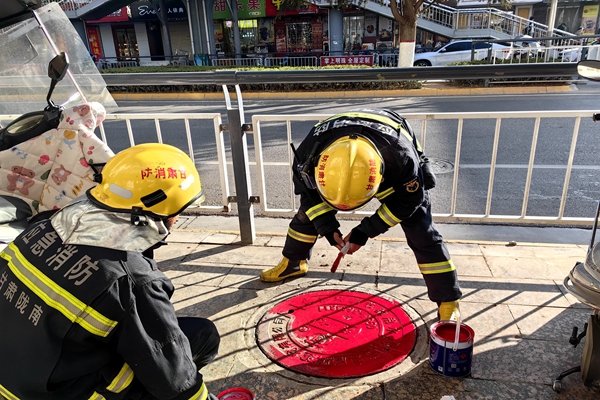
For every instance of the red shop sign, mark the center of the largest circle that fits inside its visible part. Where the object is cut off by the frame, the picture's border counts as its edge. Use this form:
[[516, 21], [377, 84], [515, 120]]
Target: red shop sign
[[93, 34], [347, 60]]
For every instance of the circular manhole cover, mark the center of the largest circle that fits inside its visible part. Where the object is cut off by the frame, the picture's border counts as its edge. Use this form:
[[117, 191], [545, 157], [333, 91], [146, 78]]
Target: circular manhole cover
[[336, 333], [440, 166]]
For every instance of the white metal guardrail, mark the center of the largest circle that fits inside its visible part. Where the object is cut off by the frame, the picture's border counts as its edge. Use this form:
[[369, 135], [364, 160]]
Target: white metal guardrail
[[159, 120], [124, 130], [571, 128], [453, 194]]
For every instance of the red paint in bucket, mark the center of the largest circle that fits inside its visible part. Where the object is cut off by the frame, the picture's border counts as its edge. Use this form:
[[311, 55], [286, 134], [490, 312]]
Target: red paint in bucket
[[238, 393], [442, 358]]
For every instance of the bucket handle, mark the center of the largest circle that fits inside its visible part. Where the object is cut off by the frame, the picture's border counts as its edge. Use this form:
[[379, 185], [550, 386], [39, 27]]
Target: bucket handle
[[457, 333]]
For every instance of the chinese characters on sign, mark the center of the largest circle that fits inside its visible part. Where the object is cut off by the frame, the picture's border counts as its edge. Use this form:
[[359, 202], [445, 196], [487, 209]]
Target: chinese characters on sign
[[347, 60], [247, 9], [93, 34]]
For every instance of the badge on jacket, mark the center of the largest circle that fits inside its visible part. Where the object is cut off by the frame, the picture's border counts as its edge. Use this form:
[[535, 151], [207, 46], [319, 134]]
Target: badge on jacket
[[412, 186]]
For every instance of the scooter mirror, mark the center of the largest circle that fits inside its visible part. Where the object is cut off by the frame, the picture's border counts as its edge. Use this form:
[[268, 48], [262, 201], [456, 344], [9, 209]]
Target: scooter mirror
[[57, 69], [589, 69]]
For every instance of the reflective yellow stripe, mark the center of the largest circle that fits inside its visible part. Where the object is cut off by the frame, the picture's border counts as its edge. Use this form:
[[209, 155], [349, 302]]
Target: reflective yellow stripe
[[375, 117], [385, 193], [96, 396], [317, 210], [9, 396], [437, 268], [55, 296], [201, 394], [386, 215], [301, 237], [122, 380]]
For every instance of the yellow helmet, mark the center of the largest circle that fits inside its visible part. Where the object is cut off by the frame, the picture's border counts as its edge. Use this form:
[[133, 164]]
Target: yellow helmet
[[349, 172], [154, 179]]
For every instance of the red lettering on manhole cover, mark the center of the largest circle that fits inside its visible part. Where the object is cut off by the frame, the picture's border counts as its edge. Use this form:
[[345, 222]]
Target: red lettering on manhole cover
[[336, 333]]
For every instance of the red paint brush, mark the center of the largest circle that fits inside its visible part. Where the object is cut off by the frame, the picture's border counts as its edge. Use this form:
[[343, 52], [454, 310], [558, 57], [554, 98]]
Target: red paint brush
[[341, 255]]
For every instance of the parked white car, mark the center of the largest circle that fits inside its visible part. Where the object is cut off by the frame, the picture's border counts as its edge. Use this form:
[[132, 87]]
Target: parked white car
[[525, 46], [589, 51], [460, 50]]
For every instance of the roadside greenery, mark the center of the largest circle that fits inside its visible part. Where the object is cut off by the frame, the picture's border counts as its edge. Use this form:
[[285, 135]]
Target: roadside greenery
[[270, 87], [530, 81], [311, 87]]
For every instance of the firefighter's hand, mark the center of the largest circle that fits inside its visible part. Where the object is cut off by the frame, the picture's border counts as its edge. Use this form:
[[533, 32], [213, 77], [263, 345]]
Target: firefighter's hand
[[353, 246], [335, 239], [357, 239]]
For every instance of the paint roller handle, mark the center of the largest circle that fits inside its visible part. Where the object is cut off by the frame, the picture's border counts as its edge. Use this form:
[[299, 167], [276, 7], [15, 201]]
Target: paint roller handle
[[457, 332], [339, 257]]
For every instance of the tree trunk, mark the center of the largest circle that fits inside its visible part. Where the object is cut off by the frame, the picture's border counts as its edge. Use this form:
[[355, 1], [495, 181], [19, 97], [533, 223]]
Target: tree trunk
[[407, 21], [406, 45]]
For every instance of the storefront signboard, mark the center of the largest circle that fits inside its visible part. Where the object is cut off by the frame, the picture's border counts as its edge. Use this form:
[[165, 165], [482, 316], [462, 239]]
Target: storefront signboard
[[589, 19], [247, 9], [385, 29], [347, 60], [93, 34], [144, 11], [280, 41], [120, 15], [370, 26]]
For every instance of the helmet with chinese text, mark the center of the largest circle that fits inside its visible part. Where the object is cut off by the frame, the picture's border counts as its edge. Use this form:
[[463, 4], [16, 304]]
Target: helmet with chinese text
[[154, 179], [349, 172]]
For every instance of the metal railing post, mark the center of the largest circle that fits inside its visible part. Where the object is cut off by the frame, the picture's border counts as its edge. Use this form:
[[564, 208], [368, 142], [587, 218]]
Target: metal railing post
[[241, 170]]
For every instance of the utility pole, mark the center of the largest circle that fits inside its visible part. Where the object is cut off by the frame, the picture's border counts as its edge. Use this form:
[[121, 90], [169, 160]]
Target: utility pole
[[552, 17], [232, 4]]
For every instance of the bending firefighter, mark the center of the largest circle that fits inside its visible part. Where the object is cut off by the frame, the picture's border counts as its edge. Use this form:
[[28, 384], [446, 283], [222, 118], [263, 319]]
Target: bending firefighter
[[89, 316], [343, 163]]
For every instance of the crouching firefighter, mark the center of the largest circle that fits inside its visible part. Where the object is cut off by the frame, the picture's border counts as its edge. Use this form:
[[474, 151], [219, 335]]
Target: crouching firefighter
[[84, 315], [343, 163]]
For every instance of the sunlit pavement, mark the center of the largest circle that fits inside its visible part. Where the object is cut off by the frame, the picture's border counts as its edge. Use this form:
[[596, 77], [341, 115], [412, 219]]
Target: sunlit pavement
[[513, 298]]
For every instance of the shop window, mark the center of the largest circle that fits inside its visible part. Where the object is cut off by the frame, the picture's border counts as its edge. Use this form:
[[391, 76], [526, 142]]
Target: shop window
[[568, 18], [125, 43], [354, 27], [299, 37], [248, 37]]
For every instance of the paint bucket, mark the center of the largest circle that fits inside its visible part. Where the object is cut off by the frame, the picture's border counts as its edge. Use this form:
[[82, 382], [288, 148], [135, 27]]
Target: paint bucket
[[237, 393], [451, 348]]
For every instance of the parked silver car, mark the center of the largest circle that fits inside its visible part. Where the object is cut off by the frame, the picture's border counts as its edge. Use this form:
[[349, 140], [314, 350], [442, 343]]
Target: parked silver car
[[460, 50]]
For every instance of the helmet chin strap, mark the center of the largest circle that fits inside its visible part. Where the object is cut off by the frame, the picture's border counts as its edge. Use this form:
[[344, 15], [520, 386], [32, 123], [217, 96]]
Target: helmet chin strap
[[138, 218]]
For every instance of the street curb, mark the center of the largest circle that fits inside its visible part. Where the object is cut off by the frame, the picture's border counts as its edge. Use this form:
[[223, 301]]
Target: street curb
[[355, 94]]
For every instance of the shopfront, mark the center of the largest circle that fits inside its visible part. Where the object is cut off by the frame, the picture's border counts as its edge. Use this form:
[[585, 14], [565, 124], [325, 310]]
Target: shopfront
[[143, 13], [367, 32], [101, 38], [135, 33], [264, 29]]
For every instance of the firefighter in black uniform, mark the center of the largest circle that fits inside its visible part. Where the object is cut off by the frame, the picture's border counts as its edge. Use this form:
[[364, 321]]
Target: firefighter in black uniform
[[84, 315], [344, 162]]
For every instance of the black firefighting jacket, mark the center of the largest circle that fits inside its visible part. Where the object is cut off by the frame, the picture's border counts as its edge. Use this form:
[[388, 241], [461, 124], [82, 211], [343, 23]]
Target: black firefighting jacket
[[80, 322], [402, 190]]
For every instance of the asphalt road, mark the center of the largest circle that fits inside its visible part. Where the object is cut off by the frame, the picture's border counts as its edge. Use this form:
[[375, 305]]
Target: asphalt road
[[514, 147]]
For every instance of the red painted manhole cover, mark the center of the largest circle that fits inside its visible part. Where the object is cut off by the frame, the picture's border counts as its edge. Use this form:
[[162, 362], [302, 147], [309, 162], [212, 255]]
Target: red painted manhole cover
[[336, 334]]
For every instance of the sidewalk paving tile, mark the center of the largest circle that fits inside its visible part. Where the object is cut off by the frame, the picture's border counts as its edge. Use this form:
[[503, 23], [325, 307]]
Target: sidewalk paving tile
[[513, 297]]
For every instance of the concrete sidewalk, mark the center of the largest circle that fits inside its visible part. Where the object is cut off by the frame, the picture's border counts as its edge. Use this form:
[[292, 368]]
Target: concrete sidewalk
[[513, 298]]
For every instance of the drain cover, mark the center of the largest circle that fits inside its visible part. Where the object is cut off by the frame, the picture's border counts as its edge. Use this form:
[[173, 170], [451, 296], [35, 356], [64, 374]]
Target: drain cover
[[336, 333], [440, 166]]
